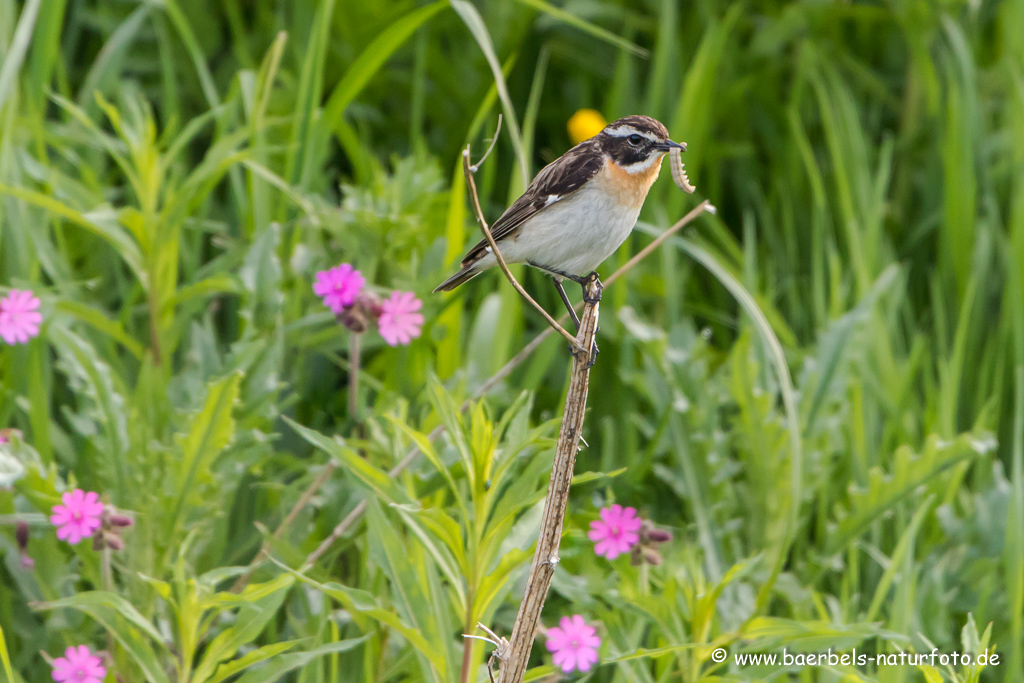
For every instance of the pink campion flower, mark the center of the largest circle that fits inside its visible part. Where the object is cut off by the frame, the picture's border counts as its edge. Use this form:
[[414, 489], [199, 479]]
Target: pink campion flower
[[78, 517], [573, 644], [78, 665], [399, 323], [616, 532], [19, 316], [339, 286]]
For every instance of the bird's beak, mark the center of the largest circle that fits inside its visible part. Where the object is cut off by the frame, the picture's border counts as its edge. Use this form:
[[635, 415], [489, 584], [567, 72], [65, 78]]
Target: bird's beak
[[668, 145]]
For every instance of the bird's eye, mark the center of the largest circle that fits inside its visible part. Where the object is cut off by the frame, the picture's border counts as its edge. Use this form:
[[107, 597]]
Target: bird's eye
[[635, 140]]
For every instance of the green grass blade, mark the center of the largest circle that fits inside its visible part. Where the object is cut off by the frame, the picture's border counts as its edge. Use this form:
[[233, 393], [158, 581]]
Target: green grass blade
[[475, 23], [19, 46], [107, 66], [370, 60], [585, 26], [778, 359], [5, 658]]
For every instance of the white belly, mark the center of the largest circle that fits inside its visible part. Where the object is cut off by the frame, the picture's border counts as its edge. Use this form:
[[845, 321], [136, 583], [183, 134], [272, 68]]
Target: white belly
[[574, 235]]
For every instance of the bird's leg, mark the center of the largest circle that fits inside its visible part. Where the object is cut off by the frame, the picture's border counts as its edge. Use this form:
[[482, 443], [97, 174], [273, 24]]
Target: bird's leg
[[585, 282], [565, 300]]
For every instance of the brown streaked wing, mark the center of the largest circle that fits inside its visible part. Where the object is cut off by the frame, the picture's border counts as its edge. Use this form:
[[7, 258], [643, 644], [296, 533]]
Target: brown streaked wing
[[560, 178]]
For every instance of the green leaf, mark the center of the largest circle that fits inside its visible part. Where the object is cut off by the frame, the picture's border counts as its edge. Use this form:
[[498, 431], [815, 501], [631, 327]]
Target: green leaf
[[642, 653], [211, 286], [423, 443], [99, 321], [122, 621], [5, 658], [209, 433], [11, 63], [96, 223], [226, 671], [585, 26], [285, 663], [370, 60], [476, 26], [250, 622], [377, 481], [364, 603], [106, 66], [909, 471]]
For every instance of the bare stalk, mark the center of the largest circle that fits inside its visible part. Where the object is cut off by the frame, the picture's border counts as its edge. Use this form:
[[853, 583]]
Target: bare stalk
[[545, 558]]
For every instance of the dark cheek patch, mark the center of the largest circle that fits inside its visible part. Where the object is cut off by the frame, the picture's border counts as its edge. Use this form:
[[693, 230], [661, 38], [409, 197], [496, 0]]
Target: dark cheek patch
[[630, 155]]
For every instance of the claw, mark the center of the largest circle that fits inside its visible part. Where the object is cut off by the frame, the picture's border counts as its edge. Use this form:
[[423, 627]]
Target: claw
[[585, 284]]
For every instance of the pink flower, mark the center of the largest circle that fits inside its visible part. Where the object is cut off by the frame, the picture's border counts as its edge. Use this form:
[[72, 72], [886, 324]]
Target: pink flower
[[3, 437], [399, 322], [616, 532], [339, 286], [78, 665], [19, 317], [574, 644], [78, 517]]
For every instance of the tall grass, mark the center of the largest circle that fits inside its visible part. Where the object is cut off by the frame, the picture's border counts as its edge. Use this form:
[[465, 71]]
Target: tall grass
[[820, 390]]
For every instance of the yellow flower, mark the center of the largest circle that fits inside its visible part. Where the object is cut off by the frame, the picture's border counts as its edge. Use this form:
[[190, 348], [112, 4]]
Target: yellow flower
[[585, 124]]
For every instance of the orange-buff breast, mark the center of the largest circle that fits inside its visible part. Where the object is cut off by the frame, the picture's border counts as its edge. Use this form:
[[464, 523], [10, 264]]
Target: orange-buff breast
[[629, 188]]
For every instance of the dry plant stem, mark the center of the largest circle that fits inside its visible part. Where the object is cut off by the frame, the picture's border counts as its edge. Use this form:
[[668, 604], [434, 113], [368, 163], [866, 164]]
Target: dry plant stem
[[660, 239], [475, 199], [546, 556]]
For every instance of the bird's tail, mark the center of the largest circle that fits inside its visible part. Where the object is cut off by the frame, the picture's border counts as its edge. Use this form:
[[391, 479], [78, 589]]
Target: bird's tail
[[467, 273]]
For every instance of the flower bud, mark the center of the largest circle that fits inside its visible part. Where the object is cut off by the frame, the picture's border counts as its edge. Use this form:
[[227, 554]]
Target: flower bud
[[366, 308], [113, 541], [659, 536], [354, 319], [121, 521], [21, 534], [651, 556]]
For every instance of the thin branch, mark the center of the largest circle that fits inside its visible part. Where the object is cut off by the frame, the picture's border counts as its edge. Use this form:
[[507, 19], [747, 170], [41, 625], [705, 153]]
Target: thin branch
[[476, 167], [660, 239], [468, 170], [545, 558]]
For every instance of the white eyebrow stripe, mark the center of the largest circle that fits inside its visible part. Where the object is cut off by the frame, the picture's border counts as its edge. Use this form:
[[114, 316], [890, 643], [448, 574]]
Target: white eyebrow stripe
[[627, 130]]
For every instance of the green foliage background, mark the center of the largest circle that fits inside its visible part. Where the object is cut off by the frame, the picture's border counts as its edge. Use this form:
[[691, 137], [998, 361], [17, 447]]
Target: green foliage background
[[820, 390]]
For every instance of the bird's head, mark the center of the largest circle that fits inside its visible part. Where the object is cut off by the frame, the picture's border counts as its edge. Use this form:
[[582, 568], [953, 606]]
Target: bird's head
[[636, 143]]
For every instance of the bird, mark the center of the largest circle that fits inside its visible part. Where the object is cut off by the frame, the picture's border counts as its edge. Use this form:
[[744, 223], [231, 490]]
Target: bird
[[579, 209]]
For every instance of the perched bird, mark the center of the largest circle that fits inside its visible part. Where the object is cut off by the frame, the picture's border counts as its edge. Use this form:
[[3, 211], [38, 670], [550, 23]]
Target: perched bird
[[580, 208]]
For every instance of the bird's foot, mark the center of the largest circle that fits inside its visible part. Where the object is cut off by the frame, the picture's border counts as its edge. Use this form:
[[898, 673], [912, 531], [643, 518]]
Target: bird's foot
[[586, 283], [593, 354]]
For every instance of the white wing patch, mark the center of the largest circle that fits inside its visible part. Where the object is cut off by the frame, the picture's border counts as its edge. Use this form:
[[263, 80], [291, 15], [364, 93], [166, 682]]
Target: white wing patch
[[552, 198]]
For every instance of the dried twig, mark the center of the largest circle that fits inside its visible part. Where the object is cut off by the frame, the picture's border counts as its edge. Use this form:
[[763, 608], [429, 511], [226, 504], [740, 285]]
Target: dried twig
[[476, 167], [546, 556], [468, 171]]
